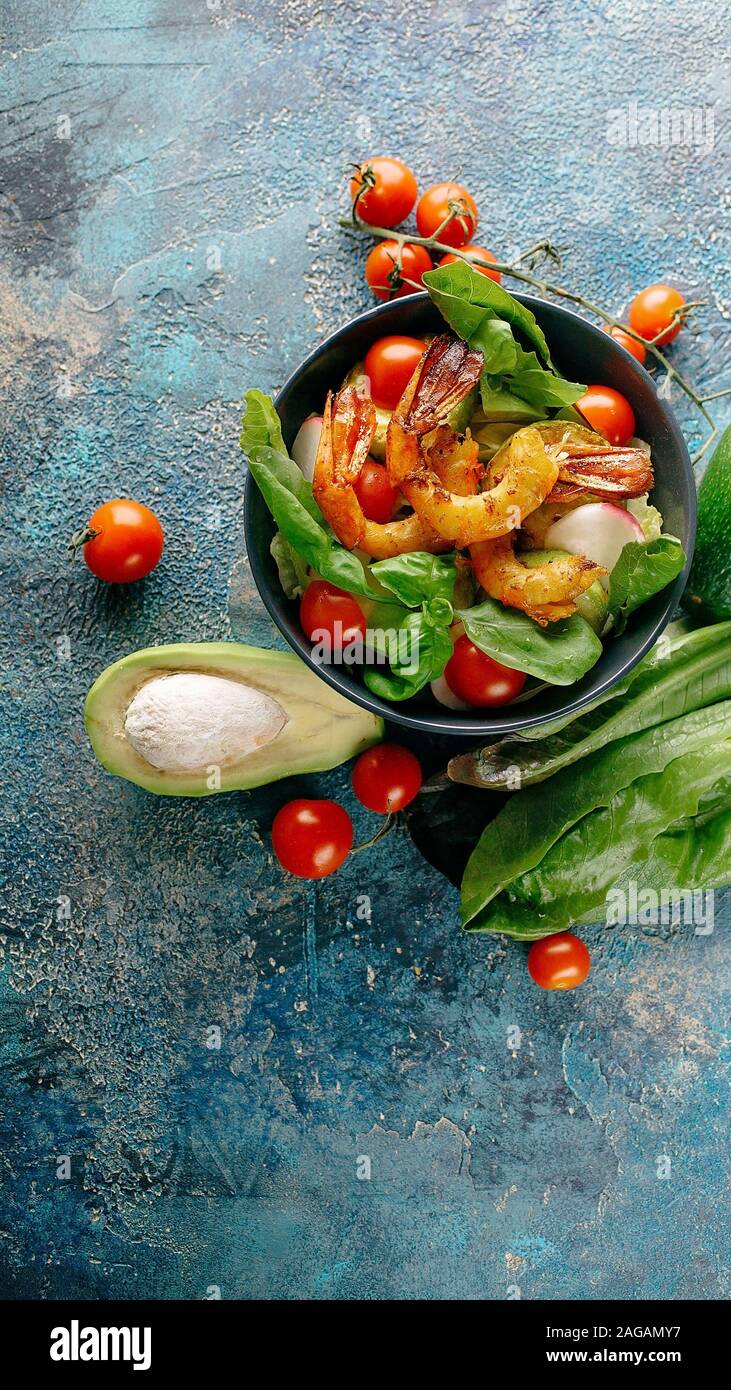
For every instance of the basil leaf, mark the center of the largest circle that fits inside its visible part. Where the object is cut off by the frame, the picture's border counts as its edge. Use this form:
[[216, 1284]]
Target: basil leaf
[[427, 651], [523, 833], [417, 576], [692, 671], [643, 569], [561, 653], [467, 300], [494, 339], [498, 403], [261, 423]]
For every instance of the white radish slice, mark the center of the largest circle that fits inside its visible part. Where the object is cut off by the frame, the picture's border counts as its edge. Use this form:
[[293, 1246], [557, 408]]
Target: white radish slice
[[304, 449], [598, 530], [446, 696]]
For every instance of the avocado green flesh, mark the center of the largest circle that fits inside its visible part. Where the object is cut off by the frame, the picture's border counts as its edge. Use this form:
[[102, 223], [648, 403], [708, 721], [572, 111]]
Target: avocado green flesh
[[709, 586], [323, 729], [592, 605]]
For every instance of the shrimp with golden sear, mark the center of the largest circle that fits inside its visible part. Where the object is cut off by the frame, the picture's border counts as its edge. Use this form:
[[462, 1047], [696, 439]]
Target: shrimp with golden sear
[[545, 592], [445, 375], [348, 426]]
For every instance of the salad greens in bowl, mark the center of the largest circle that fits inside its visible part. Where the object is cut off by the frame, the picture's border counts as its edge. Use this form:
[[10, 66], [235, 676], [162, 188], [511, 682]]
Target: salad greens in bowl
[[452, 525]]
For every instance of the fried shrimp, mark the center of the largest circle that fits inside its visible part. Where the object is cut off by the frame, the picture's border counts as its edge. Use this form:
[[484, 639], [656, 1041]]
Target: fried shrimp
[[545, 592], [348, 425], [528, 475], [590, 466], [445, 375]]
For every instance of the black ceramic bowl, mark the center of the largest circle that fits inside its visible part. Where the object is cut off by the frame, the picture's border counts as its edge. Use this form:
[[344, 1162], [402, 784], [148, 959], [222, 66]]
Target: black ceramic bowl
[[583, 353]]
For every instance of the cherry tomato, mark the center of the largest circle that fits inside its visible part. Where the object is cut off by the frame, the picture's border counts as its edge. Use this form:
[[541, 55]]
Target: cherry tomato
[[312, 838], [609, 413], [638, 350], [480, 253], [651, 311], [386, 274], [387, 778], [447, 201], [326, 609], [377, 497], [474, 677], [128, 541], [383, 191], [559, 962], [390, 364]]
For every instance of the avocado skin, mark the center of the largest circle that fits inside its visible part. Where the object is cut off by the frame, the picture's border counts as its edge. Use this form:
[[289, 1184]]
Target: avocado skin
[[708, 593], [323, 729]]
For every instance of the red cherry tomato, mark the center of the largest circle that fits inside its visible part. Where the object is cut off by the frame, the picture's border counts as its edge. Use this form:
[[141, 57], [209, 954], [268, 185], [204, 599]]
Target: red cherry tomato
[[474, 677], [447, 201], [378, 499], [390, 364], [128, 544], [387, 778], [326, 609], [559, 962], [479, 253], [387, 270], [638, 350], [383, 191], [651, 313], [609, 413], [312, 838]]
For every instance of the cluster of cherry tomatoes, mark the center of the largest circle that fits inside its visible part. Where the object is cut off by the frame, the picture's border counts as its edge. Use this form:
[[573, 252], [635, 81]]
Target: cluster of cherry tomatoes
[[311, 839], [384, 192]]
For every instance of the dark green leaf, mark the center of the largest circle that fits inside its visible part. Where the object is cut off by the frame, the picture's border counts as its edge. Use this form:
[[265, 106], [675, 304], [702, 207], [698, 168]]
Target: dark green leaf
[[519, 838], [465, 298], [574, 878], [429, 650], [561, 653], [417, 576]]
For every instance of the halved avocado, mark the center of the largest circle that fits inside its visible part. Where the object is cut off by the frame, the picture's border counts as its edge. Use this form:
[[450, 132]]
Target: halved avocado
[[319, 729]]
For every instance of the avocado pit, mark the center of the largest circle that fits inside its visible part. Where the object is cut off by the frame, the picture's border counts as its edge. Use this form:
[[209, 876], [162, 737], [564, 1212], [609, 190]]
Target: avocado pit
[[189, 721]]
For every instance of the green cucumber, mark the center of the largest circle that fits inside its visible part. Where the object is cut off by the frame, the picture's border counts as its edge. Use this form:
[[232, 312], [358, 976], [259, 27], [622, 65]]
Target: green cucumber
[[708, 593]]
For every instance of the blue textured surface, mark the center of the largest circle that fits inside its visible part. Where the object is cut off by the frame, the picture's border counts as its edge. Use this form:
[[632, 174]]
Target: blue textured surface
[[172, 245]]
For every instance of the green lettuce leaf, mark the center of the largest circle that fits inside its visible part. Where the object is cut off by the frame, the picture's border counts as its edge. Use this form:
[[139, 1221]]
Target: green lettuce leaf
[[519, 838], [680, 674], [642, 570]]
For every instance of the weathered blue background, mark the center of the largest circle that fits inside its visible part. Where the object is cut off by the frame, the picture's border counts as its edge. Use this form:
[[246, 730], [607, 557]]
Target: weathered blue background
[[175, 243]]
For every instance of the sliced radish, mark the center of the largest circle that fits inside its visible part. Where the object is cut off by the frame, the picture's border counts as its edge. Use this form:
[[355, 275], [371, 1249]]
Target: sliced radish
[[304, 449], [445, 696], [598, 530]]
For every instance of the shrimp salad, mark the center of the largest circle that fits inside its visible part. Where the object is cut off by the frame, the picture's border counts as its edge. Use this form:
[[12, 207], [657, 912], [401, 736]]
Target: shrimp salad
[[451, 524]]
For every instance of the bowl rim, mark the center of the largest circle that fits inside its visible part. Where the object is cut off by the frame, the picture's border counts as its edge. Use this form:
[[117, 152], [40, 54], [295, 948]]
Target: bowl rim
[[440, 722]]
